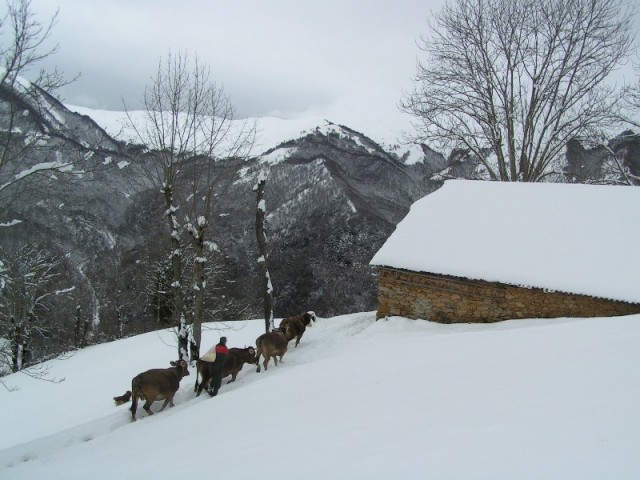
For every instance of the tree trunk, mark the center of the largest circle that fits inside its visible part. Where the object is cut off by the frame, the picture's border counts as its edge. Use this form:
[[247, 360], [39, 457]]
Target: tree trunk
[[199, 283], [120, 320], [15, 345], [85, 332], [176, 285], [183, 339], [77, 329], [267, 288], [25, 350]]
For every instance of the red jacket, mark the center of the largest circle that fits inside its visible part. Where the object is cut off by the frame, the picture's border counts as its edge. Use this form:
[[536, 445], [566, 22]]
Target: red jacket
[[221, 354]]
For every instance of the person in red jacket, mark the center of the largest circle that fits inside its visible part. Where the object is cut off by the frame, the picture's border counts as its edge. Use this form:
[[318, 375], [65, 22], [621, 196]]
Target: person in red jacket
[[215, 367]]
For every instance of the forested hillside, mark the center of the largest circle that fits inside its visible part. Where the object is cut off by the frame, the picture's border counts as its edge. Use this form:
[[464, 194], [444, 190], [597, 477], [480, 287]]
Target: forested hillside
[[93, 235]]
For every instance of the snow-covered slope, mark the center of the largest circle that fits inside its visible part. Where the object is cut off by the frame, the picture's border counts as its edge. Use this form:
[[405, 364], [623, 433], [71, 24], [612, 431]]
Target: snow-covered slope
[[271, 131], [533, 399]]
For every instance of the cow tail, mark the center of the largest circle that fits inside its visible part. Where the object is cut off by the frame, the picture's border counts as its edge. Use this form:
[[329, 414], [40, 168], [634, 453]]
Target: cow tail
[[134, 398], [258, 353]]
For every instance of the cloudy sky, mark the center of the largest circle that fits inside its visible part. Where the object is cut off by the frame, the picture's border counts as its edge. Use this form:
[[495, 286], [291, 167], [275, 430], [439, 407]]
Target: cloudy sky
[[343, 60], [347, 61]]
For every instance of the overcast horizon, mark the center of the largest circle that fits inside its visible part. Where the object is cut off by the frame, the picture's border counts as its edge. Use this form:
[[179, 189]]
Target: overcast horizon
[[348, 62]]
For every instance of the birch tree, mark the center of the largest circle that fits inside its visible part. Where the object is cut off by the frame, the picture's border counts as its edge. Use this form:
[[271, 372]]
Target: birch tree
[[188, 124], [513, 80]]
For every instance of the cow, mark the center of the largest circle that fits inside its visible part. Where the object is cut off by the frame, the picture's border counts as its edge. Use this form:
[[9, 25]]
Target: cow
[[271, 344], [156, 384], [294, 327], [235, 361]]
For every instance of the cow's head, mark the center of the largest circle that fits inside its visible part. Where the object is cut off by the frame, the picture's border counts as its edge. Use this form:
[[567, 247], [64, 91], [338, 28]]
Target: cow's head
[[251, 355], [309, 318], [182, 364]]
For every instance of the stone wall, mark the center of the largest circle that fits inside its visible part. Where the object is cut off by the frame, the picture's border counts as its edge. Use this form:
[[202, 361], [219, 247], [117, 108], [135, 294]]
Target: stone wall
[[447, 299]]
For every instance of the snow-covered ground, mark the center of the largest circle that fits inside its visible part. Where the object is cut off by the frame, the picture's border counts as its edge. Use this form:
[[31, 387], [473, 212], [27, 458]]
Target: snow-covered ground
[[397, 398]]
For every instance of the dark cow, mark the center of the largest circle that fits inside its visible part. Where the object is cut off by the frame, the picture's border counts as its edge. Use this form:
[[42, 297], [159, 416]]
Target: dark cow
[[270, 345], [294, 327], [235, 361], [156, 384]]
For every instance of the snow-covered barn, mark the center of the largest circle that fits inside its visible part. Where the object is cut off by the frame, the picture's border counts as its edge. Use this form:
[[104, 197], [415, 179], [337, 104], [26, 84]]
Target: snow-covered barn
[[476, 251]]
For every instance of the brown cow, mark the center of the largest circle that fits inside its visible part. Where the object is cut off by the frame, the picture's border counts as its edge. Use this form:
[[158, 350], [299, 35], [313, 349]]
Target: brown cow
[[157, 384], [271, 344], [294, 327], [235, 361]]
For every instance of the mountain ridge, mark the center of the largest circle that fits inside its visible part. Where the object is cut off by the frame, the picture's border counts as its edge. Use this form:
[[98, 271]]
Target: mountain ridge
[[333, 196]]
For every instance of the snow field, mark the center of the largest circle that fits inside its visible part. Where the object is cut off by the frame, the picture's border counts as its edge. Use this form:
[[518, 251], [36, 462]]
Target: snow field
[[395, 398]]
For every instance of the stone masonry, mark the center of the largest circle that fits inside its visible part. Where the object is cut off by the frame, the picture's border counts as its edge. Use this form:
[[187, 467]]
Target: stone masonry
[[446, 299]]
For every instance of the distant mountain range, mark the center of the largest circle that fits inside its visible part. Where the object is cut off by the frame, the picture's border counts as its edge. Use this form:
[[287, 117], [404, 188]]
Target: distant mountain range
[[333, 197]]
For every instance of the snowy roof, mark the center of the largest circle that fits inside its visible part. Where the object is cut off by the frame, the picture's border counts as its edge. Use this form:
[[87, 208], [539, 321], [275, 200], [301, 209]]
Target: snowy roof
[[571, 238]]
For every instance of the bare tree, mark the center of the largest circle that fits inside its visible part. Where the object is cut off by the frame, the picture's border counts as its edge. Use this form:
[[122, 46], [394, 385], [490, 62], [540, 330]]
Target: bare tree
[[630, 111], [263, 266], [39, 149], [617, 169], [35, 283], [513, 80], [189, 127], [158, 290], [22, 48]]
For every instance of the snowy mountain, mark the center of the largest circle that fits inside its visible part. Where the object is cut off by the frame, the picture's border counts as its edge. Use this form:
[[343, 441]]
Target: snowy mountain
[[333, 196]]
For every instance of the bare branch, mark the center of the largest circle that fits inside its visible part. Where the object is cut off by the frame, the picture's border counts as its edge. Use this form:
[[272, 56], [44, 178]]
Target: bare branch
[[520, 78], [194, 147]]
